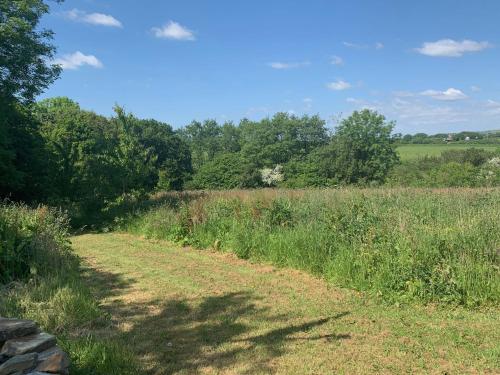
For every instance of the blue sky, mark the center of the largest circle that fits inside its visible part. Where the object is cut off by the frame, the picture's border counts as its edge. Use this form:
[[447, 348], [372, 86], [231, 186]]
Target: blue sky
[[431, 66]]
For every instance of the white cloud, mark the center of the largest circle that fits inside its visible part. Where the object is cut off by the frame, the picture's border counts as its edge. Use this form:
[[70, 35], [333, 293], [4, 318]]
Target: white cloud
[[336, 60], [173, 30], [377, 45], [92, 18], [474, 88], [354, 101], [450, 94], [339, 85], [451, 48], [354, 45], [416, 113], [307, 103], [291, 65], [76, 60], [493, 107]]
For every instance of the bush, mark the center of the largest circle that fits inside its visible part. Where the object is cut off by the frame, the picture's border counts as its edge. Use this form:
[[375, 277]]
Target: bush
[[454, 174], [31, 241]]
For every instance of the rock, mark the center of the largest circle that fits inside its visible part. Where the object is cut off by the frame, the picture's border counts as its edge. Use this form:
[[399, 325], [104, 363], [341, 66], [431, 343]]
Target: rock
[[53, 360], [20, 363], [39, 373], [14, 328], [34, 343]]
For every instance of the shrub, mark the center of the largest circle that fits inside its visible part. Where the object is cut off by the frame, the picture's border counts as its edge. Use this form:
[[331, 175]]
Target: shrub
[[31, 241]]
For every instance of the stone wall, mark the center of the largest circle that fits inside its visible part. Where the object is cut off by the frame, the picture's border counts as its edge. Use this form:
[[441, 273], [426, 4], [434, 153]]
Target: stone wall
[[27, 350]]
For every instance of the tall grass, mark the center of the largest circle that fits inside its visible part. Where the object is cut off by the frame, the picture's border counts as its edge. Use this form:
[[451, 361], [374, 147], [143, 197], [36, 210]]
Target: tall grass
[[40, 279], [403, 244]]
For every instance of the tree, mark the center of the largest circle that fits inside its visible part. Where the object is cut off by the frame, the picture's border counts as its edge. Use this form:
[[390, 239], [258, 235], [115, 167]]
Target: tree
[[169, 154], [82, 163], [204, 140], [25, 71], [281, 138], [25, 52], [22, 154], [362, 149], [226, 171]]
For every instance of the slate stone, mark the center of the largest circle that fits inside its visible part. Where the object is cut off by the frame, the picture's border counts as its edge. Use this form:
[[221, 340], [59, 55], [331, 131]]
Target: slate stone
[[53, 360], [34, 343], [20, 363], [15, 328]]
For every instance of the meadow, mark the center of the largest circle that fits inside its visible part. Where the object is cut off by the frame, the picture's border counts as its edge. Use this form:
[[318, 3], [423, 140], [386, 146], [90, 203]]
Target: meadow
[[272, 244], [379, 280], [425, 245], [415, 151]]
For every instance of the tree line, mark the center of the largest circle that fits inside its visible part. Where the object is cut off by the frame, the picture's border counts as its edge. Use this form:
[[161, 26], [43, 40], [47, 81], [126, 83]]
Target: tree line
[[54, 151]]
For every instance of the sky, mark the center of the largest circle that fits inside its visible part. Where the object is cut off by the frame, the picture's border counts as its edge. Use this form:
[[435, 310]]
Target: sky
[[430, 66]]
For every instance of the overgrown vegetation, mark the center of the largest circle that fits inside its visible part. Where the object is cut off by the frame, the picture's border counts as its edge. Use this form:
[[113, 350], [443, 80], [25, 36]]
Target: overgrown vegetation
[[41, 279], [119, 172], [470, 167], [56, 153], [405, 245]]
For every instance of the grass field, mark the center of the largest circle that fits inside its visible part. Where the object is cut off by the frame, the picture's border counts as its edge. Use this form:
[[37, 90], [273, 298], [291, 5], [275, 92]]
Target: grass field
[[185, 311], [427, 245], [409, 152]]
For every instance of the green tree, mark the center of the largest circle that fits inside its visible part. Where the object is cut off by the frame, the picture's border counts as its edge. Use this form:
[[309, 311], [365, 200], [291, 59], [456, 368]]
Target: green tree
[[25, 71], [226, 171], [169, 154], [82, 163], [281, 138], [26, 52], [362, 149]]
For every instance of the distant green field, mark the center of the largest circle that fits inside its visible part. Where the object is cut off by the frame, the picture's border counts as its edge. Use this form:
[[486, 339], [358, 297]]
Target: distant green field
[[408, 152]]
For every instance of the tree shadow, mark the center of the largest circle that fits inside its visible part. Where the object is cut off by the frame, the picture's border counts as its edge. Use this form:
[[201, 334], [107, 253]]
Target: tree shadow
[[226, 331]]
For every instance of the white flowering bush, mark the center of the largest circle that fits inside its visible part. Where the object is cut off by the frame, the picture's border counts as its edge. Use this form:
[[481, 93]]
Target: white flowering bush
[[490, 172], [272, 176], [495, 162]]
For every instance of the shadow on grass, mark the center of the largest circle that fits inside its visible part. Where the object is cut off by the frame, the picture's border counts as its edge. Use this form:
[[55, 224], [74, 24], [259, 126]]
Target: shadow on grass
[[234, 331]]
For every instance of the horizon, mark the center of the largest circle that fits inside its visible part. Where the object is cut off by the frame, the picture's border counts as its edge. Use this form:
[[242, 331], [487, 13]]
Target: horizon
[[427, 66]]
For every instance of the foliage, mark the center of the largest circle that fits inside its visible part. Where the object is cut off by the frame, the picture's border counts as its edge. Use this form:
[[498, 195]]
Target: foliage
[[47, 286], [22, 155], [93, 160], [470, 167], [25, 70], [226, 171], [31, 241], [363, 149], [405, 245], [272, 176]]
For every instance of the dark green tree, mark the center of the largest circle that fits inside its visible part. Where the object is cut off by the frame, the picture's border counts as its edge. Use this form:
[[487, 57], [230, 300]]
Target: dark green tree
[[25, 71]]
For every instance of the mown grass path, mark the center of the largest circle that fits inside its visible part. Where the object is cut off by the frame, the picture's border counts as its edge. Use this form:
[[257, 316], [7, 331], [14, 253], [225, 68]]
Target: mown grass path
[[188, 311]]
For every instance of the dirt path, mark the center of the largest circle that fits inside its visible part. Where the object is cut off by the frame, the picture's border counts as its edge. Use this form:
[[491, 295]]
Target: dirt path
[[187, 311]]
